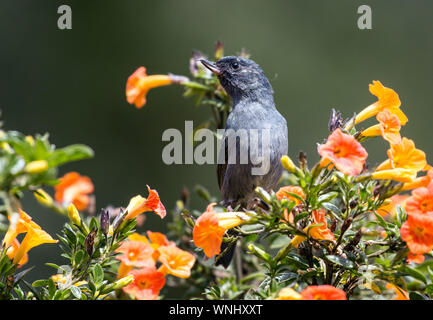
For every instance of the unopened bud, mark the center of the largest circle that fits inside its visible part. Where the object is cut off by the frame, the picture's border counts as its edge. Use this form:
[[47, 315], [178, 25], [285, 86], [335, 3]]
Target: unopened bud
[[335, 121], [354, 242], [302, 160], [30, 140], [90, 240], [184, 196], [263, 194], [43, 198], [37, 166], [119, 284], [73, 214], [104, 221], [288, 163], [346, 225], [259, 253], [219, 50]]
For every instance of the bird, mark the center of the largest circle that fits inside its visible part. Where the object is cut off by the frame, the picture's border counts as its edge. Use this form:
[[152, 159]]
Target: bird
[[253, 109]]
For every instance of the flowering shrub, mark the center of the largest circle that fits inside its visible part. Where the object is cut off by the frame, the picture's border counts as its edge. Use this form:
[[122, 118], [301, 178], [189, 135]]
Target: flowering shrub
[[332, 231]]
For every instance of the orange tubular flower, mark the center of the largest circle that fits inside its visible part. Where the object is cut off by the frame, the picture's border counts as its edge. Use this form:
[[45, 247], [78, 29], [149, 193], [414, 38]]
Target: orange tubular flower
[[417, 183], [23, 223], [288, 294], [210, 227], [138, 205], [421, 201], [404, 155], [175, 261], [344, 152], [399, 174], [139, 83], [74, 188], [146, 285], [390, 207], [12, 250], [417, 232], [324, 292], [33, 238], [401, 294], [388, 127], [318, 232], [387, 100]]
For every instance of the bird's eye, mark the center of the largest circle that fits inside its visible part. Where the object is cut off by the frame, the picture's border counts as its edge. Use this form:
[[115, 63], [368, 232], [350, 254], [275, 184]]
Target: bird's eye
[[235, 65]]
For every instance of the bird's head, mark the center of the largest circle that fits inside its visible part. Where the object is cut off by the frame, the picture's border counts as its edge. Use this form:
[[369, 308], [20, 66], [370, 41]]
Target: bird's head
[[240, 76]]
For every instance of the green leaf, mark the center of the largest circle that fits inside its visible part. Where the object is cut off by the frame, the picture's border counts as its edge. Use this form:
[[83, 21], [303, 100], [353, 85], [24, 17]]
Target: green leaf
[[76, 292], [417, 296], [345, 263], [70, 153], [98, 273], [414, 273], [332, 207], [40, 283]]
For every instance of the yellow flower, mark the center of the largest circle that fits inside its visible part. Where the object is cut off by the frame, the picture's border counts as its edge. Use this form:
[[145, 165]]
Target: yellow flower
[[43, 198], [288, 163], [19, 223], [288, 294], [404, 155], [33, 238], [387, 100]]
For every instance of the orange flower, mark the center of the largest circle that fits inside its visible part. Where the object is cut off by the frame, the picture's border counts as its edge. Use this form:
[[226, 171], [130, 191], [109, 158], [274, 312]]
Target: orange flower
[[34, 237], [12, 250], [388, 100], [317, 232], [139, 83], [324, 292], [74, 188], [404, 155], [210, 227], [401, 294], [388, 127], [417, 232], [157, 240], [138, 205], [417, 183], [415, 258], [21, 225], [136, 254], [282, 194], [344, 152], [146, 285], [390, 207], [420, 201], [175, 261], [288, 294]]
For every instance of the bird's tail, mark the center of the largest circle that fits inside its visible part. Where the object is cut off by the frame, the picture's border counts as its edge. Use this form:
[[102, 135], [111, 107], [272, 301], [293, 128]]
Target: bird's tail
[[227, 251]]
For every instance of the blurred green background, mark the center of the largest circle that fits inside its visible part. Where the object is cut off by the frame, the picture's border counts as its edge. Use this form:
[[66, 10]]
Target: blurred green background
[[71, 83]]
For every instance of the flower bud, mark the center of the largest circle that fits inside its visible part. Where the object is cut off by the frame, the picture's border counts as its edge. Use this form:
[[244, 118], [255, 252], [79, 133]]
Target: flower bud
[[43, 198], [119, 284], [30, 140], [36, 166], [259, 253], [288, 163], [219, 50], [104, 221], [335, 121], [263, 194], [90, 240], [73, 214]]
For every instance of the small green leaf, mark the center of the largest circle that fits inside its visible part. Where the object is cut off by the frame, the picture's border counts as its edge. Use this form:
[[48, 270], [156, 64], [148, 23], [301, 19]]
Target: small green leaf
[[40, 283], [76, 292], [414, 273], [98, 273], [345, 263]]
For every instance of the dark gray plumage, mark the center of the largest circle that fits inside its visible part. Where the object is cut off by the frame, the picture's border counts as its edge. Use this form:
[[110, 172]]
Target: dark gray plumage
[[252, 108]]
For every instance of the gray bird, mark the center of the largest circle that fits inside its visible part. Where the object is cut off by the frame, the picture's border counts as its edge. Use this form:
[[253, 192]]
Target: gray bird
[[252, 108]]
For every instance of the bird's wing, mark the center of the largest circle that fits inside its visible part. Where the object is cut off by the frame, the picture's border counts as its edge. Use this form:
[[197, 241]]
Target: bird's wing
[[221, 167]]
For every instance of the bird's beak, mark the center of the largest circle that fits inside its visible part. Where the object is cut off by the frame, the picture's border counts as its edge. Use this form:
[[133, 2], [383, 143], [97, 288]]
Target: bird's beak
[[211, 66]]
